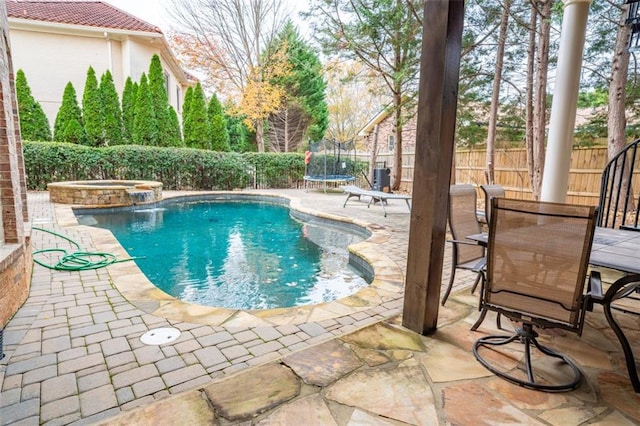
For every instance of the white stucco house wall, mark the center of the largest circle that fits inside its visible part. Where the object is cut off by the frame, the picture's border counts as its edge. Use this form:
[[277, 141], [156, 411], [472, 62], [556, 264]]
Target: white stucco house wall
[[55, 42]]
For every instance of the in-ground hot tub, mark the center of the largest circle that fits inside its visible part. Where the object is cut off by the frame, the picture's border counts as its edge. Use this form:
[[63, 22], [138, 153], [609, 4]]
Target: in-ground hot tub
[[105, 192]]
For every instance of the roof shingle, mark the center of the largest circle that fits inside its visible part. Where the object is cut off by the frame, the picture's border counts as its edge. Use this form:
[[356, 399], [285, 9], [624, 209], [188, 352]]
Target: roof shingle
[[87, 13]]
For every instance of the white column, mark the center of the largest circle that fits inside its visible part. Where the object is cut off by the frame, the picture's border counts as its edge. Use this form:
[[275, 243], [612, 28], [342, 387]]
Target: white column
[[562, 122]]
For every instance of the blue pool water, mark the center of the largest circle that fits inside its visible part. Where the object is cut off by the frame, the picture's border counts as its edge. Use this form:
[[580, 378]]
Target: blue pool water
[[241, 255]]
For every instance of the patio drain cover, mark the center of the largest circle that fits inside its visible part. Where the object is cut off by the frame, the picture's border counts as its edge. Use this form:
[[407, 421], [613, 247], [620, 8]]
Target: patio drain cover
[[159, 336]]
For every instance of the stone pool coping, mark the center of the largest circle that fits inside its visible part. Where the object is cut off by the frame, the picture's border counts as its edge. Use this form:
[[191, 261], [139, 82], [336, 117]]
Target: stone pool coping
[[138, 290]]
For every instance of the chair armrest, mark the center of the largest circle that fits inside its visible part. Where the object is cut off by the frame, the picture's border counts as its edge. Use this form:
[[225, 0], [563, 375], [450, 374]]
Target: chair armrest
[[594, 294], [467, 242]]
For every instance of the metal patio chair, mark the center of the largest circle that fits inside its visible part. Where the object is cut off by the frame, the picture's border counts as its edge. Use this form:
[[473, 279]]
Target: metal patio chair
[[619, 205], [537, 261], [467, 254]]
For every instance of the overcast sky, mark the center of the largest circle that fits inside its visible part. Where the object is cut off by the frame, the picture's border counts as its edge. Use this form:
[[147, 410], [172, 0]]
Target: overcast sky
[[152, 11], [155, 11]]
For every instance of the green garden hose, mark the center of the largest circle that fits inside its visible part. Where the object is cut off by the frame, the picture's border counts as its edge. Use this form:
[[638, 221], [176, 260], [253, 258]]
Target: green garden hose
[[76, 261]]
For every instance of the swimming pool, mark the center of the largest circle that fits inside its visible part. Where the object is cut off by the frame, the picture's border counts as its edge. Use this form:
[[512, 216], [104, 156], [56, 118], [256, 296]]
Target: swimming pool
[[236, 253]]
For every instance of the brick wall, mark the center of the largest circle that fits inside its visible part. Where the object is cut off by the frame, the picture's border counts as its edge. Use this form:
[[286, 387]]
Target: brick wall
[[15, 258]]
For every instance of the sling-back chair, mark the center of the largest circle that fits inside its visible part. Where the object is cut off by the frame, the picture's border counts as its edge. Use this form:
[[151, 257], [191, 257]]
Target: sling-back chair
[[490, 192], [537, 260], [467, 254]]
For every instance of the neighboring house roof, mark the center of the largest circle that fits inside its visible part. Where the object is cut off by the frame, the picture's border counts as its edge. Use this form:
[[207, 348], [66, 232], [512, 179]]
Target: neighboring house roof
[[80, 16], [377, 119], [386, 111], [86, 13]]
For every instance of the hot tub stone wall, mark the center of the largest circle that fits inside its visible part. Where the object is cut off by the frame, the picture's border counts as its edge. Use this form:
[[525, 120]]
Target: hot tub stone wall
[[95, 195]]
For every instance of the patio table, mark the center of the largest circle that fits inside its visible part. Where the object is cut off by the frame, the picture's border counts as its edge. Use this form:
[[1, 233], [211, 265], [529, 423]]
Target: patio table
[[618, 250]]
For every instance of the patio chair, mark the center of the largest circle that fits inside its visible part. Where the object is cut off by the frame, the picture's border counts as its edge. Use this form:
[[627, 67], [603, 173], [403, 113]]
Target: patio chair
[[619, 204], [490, 191], [467, 254], [537, 260]]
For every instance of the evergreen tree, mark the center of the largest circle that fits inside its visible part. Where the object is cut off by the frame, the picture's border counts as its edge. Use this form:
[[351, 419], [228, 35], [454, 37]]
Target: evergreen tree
[[112, 113], [129, 95], [239, 134], [68, 122], [34, 125], [217, 125], [92, 110], [74, 133], [160, 100], [185, 106], [174, 136], [304, 111], [145, 129], [196, 126]]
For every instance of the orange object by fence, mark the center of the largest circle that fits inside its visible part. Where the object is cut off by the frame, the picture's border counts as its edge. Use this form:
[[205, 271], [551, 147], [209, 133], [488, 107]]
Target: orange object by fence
[[307, 157]]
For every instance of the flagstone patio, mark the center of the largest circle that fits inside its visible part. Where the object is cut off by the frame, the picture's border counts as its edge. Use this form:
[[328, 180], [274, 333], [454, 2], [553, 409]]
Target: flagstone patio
[[73, 352]]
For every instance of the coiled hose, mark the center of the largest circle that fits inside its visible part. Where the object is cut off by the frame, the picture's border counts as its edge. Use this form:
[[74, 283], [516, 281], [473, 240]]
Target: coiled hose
[[78, 260]]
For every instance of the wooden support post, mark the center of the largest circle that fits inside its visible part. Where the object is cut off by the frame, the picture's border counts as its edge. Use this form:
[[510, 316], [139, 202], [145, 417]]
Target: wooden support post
[[437, 101]]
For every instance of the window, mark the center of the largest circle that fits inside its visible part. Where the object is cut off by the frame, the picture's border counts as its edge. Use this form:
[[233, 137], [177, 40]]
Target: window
[[391, 142], [166, 83], [178, 102]]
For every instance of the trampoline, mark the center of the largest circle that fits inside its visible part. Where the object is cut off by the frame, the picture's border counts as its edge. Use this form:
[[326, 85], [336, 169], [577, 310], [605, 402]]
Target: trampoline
[[330, 161]]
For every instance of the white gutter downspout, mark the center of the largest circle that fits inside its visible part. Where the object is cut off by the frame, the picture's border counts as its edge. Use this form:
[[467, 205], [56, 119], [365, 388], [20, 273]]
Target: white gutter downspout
[[109, 53], [555, 181]]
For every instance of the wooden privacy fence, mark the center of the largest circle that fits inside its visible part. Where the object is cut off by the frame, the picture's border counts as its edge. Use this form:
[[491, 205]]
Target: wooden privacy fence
[[585, 171]]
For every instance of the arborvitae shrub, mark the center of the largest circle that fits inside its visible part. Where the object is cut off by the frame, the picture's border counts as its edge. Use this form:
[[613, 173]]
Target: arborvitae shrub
[[160, 100], [92, 110], [174, 137], [33, 121], [112, 113], [188, 96], [217, 125], [69, 114], [196, 126], [239, 135], [129, 95], [145, 129]]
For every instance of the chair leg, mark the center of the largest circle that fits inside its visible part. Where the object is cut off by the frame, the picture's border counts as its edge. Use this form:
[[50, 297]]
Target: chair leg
[[450, 286], [479, 321], [477, 281], [527, 336]]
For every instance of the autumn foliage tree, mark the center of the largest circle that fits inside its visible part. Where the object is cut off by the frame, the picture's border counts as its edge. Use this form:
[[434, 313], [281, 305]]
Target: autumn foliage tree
[[34, 125], [225, 41], [352, 99]]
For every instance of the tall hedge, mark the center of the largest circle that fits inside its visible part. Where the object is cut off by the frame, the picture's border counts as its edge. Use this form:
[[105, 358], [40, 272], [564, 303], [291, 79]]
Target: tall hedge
[[68, 126], [196, 125], [176, 168], [129, 95], [112, 114], [92, 110], [217, 125], [145, 127], [34, 125]]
